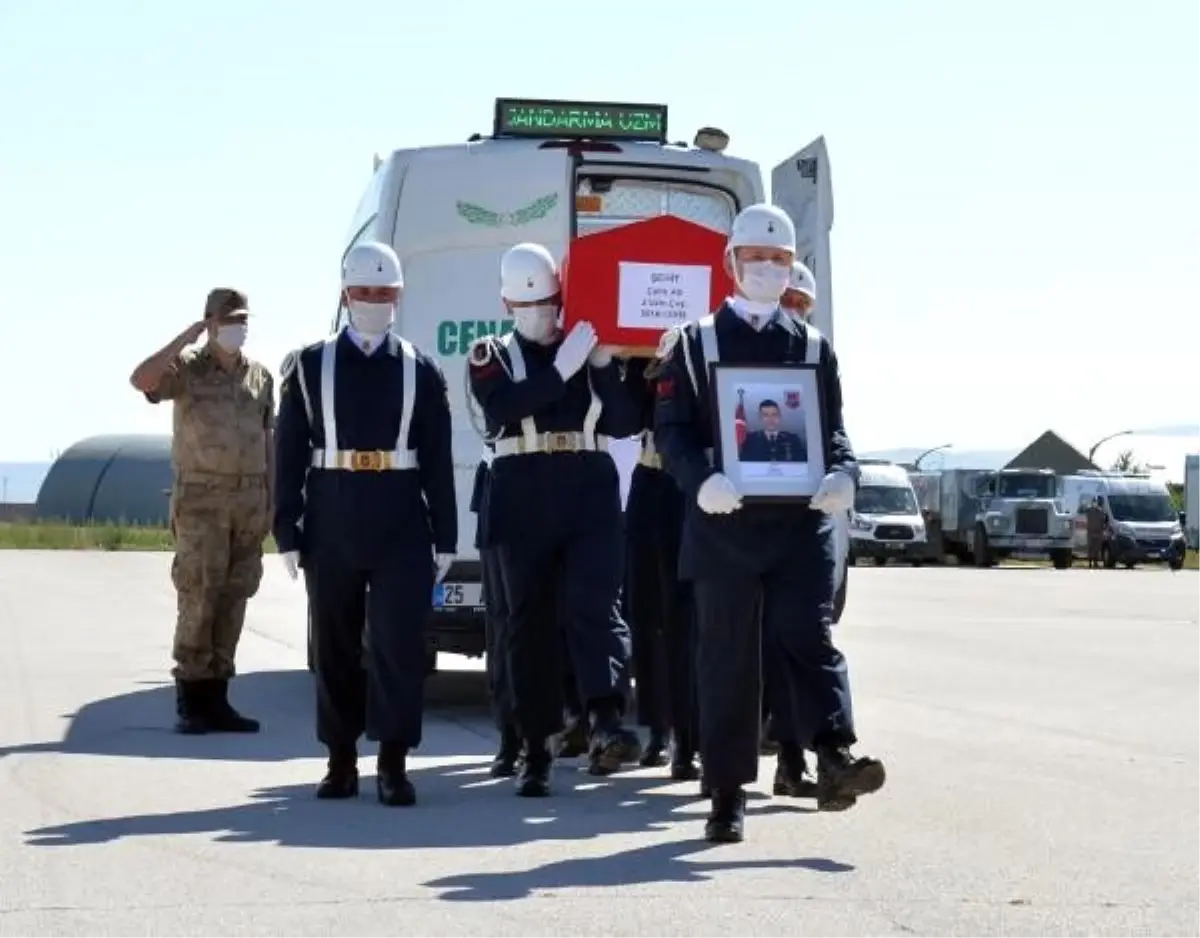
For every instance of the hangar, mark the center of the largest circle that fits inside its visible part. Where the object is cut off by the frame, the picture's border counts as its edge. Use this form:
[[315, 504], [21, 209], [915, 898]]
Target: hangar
[[117, 479]]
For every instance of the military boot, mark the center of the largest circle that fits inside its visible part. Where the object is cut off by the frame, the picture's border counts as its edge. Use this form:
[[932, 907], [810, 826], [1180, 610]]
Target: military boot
[[574, 740], [656, 748], [505, 763], [791, 773], [341, 777], [612, 745], [191, 718], [222, 717], [683, 759], [391, 777], [726, 822], [841, 777], [534, 780]]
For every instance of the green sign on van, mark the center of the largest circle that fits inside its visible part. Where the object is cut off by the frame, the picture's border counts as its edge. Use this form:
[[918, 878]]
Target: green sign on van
[[454, 336]]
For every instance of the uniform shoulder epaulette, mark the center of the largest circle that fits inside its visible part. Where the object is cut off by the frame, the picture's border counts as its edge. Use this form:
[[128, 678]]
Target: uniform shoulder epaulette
[[288, 367], [670, 338], [482, 351]]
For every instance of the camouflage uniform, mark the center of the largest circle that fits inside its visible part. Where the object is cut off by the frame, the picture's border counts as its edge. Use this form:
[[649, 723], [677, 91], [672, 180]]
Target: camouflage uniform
[[220, 515]]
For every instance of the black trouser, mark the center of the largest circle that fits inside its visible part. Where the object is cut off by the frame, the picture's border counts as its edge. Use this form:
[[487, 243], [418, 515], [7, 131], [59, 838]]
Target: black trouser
[[495, 618], [660, 619], [795, 621], [385, 699]]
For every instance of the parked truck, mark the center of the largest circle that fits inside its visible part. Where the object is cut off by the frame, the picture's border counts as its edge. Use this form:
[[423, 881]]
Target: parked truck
[[982, 516], [1191, 500]]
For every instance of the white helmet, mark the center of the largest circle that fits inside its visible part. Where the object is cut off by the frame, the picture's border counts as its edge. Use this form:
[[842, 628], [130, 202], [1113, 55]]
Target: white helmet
[[528, 274], [762, 226], [371, 264], [802, 280]]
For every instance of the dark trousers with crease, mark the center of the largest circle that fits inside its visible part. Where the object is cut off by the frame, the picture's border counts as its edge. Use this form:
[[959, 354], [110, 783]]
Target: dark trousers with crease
[[495, 620], [386, 698]]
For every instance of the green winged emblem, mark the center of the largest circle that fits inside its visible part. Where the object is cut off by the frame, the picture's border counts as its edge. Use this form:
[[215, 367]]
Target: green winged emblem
[[478, 215]]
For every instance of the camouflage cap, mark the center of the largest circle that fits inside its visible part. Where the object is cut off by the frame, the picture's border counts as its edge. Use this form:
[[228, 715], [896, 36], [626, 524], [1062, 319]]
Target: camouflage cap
[[225, 300]]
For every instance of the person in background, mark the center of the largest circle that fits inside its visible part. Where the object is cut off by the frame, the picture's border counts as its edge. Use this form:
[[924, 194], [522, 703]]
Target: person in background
[[221, 454]]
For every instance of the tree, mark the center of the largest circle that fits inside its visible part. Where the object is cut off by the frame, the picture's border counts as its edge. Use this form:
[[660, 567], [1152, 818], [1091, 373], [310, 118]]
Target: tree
[[1126, 463]]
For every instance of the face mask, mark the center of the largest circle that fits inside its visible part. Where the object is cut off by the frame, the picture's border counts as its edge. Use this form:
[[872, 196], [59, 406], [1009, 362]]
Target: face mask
[[764, 282], [371, 319], [232, 337], [536, 323]]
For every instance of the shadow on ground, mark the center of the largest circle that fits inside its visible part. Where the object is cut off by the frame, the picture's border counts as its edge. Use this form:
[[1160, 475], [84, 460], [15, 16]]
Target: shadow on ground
[[139, 724]]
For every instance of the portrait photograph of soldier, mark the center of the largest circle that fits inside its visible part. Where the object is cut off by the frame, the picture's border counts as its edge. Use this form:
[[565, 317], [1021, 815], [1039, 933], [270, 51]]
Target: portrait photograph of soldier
[[772, 432]]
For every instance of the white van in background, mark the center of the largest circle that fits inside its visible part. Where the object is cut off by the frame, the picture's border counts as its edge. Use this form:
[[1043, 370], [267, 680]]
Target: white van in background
[[549, 172], [1141, 517], [886, 523]]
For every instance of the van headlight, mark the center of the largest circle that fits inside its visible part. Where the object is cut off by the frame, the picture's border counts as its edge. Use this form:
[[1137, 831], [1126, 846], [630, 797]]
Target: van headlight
[[860, 524]]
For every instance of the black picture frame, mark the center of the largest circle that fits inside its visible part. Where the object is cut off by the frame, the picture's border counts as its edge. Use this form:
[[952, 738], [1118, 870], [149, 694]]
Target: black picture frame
[[786, 470]]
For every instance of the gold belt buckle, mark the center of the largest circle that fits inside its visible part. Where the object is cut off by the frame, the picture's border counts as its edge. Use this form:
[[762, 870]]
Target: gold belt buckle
[[367, 461], [559, 443]]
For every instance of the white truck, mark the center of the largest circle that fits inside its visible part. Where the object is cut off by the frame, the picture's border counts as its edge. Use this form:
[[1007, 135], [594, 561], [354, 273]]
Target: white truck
[[886, 523], [1191, 500], [1142, 519], [550, 172]]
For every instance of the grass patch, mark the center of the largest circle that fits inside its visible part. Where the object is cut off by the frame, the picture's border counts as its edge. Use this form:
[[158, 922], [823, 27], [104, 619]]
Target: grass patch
[[50, 535]]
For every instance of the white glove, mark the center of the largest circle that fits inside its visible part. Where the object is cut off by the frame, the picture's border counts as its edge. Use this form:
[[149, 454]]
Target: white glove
[[575, 349], [291, 563], [442, 563], [836, 493], [601, 356], [717, 496]]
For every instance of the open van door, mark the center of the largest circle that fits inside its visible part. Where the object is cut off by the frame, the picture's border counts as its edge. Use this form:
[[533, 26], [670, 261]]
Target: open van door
[[801, 186]]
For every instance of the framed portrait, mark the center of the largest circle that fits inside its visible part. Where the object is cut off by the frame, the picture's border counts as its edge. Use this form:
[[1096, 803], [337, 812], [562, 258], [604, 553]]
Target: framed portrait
[[768, 436]]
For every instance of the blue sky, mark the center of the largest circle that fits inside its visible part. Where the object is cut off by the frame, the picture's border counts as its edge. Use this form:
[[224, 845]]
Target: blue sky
[[1016, 184]]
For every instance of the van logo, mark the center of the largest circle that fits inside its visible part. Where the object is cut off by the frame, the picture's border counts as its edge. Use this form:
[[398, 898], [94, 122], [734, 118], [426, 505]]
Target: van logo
[[478, 215]]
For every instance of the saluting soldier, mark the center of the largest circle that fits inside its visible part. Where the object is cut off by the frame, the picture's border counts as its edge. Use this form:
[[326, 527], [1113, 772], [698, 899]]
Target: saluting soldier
[[552, 403], [760, 570], [366, 501], [221, 452]]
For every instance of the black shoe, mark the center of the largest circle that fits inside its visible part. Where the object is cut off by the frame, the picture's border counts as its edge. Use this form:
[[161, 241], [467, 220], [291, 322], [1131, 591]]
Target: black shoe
[[222, 717], [191, 714], [341, 778], [841, 778], [683, 761], [613, 748], [727, 820], [534, 780], [792, 779], [656, 750], [574, 741], [391, 777], [505, 763]]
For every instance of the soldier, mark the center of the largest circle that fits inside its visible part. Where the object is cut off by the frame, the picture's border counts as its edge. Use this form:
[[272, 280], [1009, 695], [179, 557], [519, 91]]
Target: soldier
[[495, 615], [1097, 525], [800, 296], [660, 610], [759, 570], [771, 443], [554, 510], [221, 452], [366, 498]]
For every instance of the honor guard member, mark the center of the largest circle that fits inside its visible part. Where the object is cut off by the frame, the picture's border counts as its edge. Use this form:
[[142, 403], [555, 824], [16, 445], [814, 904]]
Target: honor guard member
[[759, 570], [800, 296], [659, 603], [221, 455], [495, 604], [366, 499], [554, 511]]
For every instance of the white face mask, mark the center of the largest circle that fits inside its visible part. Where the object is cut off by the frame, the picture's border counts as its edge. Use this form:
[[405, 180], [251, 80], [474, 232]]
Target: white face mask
[[231, 337], [536, 323], [763, 281], [371, 319]]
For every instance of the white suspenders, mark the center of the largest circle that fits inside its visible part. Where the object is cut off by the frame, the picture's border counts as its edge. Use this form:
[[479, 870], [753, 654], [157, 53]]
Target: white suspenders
[[707, 328], [400, 457], [530, 440]]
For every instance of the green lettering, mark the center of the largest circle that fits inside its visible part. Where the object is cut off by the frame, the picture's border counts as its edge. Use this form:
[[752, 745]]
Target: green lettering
[[466, 335], [447, 337]]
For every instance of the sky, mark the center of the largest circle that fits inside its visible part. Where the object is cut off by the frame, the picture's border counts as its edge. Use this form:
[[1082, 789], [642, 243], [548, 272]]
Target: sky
[[1016, 185]]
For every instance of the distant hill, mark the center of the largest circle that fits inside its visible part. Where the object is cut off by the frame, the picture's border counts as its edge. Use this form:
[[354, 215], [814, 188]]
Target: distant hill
[[20, 481]]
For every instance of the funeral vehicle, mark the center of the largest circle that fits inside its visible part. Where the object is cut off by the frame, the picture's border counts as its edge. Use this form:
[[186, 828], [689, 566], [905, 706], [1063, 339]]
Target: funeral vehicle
[[550, 172]]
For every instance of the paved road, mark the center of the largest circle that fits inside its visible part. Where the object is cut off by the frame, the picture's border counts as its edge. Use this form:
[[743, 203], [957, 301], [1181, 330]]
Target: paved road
[[1040, 730]]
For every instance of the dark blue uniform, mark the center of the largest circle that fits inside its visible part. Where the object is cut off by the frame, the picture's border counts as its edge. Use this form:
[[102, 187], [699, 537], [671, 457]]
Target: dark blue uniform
[[365, 492], [762, 575], [554, 513], [659, 603], [784, 446]]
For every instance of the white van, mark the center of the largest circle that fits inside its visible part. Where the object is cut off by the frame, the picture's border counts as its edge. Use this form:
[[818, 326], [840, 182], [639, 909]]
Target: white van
[[886, 522], [549, 172], [1141, 516]]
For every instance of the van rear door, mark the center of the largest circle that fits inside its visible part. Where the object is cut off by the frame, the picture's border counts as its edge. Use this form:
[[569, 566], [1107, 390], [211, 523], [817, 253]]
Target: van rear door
[[801, 186]]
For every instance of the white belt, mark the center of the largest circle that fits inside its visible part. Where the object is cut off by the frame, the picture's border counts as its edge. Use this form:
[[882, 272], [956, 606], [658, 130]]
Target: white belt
[[365, 460], [568, 442]]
